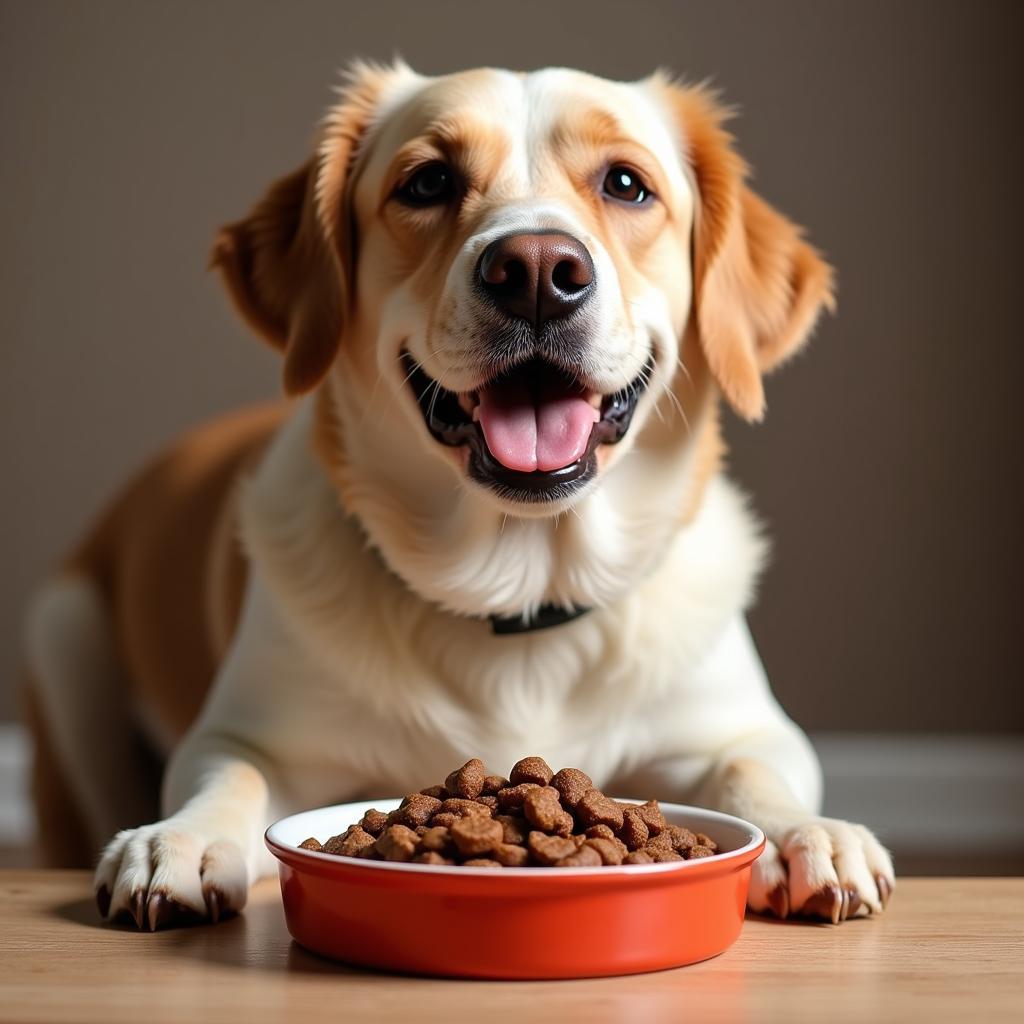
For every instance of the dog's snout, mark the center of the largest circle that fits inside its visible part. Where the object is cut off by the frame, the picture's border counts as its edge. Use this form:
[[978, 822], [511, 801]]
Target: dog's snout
[[537, 277]]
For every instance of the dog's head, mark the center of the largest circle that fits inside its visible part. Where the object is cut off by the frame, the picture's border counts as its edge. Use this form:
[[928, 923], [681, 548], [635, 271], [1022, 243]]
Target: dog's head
[[521, 280]]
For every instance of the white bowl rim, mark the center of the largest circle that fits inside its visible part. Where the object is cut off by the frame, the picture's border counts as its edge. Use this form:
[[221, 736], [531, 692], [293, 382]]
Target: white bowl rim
[[756, 838]]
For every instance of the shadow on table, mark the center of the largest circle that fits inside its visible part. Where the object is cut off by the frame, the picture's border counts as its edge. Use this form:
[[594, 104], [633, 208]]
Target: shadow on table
[[258, 940]]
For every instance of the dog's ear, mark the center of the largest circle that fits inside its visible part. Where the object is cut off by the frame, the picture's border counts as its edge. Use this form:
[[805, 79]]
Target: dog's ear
[[284, 278], [758, 286], [288, 265]]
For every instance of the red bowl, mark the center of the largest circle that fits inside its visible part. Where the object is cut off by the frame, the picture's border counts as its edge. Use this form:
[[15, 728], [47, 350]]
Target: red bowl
[[514, 922]]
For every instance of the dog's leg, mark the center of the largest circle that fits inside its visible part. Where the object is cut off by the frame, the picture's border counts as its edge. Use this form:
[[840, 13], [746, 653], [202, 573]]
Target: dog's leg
[[199, 861], [242, 765], [82, 703], [812, 866]]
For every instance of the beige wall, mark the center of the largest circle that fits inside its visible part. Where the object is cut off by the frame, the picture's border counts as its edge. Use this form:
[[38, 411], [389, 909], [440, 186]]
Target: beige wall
[[888, 469]]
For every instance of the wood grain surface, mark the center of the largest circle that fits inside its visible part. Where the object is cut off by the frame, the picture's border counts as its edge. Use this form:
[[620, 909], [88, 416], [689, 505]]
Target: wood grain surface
[[947, 949]]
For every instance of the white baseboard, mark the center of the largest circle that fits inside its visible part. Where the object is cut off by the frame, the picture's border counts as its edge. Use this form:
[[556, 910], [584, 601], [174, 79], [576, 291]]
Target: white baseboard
[[17, 825], [922, 794], [935, 794]]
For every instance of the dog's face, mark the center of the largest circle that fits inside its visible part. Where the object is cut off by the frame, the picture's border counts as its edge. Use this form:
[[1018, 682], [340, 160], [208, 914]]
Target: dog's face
[[522, 279], [524, 262]]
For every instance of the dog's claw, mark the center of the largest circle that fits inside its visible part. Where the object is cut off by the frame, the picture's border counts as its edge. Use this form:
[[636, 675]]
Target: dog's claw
[[854, 903], [213, 904], [159, 910], [103, 901], [884, 890], [827, 903], [778, 901], [162, 910], [138, 910]]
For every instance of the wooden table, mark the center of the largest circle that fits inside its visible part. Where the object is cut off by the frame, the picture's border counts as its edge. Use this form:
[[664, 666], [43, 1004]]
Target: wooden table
[[947, 949]]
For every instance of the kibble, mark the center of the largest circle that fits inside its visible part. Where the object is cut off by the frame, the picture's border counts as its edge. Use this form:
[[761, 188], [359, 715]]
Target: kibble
[[534, 818]]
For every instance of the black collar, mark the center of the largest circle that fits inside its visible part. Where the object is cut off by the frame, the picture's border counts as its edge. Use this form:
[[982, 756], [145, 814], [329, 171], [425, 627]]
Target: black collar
[[547, 615]]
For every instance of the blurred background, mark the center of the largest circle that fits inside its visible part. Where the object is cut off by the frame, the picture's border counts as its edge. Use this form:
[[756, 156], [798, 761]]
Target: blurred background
[[887, 471]]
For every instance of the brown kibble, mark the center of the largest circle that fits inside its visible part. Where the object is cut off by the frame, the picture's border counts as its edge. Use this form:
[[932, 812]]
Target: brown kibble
[[634, 830], [397, 843], [512, 797], [467, 781], [572, 784], [465, 808], [431, 857], [374, 822], [699, 850], [542, 808], [349, 843], [475, 835], [664, 841], [533, 819], [437, 840], [547, 849], [661, 855], [565, 825], [418, 809], [611, 851], [638, 857], [682, 838], [531, 769], [511, 856], [652, 817], [493, 783], [584, 857], [515, 829], [594, 808]]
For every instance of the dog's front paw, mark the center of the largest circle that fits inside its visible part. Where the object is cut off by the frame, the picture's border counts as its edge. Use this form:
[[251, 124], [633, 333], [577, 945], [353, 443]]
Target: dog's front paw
[[822, 868], [167, 874]]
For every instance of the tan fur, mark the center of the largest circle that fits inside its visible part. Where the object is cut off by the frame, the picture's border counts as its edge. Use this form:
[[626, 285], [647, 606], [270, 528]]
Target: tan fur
[[758, 285], [167, 557]]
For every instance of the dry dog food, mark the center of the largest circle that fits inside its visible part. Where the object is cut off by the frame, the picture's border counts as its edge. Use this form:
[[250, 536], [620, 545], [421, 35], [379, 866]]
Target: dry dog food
[[534, 818]]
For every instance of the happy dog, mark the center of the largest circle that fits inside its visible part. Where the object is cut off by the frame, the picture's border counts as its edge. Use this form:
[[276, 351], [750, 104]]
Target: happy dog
[[510, 305]]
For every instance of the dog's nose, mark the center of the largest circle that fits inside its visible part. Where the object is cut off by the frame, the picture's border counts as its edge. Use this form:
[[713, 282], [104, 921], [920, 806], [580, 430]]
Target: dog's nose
[[537, 277]]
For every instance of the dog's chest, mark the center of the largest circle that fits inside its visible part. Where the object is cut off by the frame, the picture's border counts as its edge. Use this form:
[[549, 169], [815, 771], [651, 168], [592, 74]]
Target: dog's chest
[[408, 711]]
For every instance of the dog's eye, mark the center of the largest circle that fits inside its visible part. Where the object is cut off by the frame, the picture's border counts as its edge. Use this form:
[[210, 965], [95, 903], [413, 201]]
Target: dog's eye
[[433, 183], [624, 184]]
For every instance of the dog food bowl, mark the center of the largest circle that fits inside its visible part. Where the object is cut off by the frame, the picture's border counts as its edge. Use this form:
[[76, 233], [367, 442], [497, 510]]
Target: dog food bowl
[[514, 922]]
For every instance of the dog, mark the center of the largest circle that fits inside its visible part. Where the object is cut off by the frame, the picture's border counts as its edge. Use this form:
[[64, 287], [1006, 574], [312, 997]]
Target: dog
[[491, 520]]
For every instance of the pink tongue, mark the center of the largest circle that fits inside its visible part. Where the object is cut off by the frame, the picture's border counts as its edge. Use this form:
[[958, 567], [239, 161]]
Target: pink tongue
[[525, 433]]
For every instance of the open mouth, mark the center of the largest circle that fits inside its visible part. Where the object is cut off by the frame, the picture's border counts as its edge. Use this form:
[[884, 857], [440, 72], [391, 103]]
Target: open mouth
[[532, 431]]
